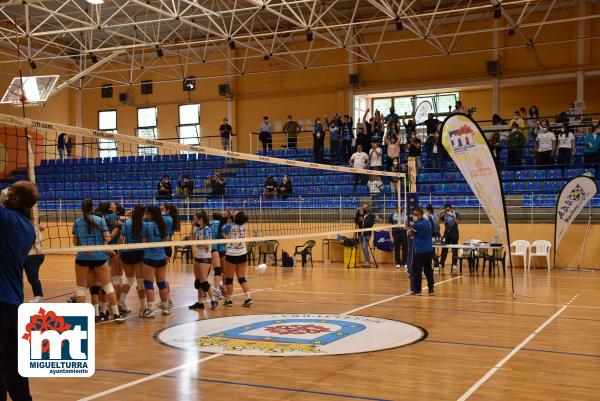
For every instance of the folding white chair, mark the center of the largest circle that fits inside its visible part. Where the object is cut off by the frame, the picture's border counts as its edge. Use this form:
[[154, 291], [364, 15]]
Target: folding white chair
[[521, 249], [542, 248]]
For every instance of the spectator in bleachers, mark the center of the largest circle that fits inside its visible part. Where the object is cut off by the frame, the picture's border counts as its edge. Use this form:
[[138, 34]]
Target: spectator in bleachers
[[318, 140], [393, 149], [285, 188], [226, 131], [434, 148], [359, 160], [270, 187], [566, 145], [533, 116], [399, 237], [363, 136], [392, 120], [69, 146], [414, 149], [347, 136], [520, 122], [497, 120], [185, 186], [375, 156], [495, 146], [451, 219], [409, 127], [61, 145], [395, 182], [265, 134], [375, 185], [516, 141], [376, 134], [217, 184], [431, 124], [545, 145], [164, 189], [591, 146], [458, 107], [291, 128], [335, 141], [377, 122]]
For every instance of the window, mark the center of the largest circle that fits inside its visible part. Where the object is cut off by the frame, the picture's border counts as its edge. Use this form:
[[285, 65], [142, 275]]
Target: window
[[107, 121], [189, 124], [146, 122]]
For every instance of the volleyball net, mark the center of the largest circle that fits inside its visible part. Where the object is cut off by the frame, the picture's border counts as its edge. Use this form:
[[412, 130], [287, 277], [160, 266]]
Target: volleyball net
[[70, 164]]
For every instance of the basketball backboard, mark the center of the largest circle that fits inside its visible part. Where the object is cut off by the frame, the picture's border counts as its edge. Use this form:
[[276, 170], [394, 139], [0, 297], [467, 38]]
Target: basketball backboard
[[34, 90]]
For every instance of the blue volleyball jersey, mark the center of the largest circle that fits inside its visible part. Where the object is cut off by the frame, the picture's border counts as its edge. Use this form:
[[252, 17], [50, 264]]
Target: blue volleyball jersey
[[112, 218], [215, 227], [170, 226], [151, 232], [89, 235]]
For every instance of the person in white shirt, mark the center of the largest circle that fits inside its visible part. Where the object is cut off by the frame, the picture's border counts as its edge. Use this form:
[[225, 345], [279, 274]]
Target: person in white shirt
[[545, 145], [375, 156], [375, 185], [359, 161], [566, 145]]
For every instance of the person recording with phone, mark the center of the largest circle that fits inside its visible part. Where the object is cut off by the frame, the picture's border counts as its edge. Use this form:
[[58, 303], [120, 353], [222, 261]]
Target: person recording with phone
[[365, 219]]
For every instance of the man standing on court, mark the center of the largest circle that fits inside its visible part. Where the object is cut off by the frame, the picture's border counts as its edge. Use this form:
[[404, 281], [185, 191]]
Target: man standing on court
[[423, 253], [17, 236], [450, 218]]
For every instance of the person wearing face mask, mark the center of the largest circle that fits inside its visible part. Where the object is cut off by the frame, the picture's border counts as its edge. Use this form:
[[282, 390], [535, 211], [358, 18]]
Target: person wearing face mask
[[335, 141], [433, 146], [265, 130], [521, 124], [318, 140], [421, 231], [495, 146], [225, 130], [545, 145], [532, 119], [516, 140], [285, 187], [347, 136], [365, 219], [399, 237], [393, 149], [566, 146], [414, 149], [291, 128], [591, 146]]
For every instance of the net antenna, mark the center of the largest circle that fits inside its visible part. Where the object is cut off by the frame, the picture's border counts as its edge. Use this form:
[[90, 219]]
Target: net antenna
[[29, 91]]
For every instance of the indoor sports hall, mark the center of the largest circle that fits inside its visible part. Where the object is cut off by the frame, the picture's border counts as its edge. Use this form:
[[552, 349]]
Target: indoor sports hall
[[375, 200]]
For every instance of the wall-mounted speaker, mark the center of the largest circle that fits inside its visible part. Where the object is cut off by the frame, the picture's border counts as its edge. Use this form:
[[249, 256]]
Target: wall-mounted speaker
[[492, 68], [146, 87], [224, 90], [189, 84], [107, 91], [355, 79], [124, 98]]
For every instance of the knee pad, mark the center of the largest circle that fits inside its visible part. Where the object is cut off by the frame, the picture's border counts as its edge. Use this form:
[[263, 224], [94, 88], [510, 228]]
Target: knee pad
[[197, 284], [229, 281], [130, 281], [80, 291], [205, 285], [140, 283], [162, 285], [108, 288], [218, 271], [242, 280], [95, 290], [116, 281], [149, 285]]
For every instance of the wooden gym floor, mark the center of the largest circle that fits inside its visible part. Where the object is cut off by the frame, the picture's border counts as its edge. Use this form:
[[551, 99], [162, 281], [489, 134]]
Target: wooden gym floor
[[481, 344]]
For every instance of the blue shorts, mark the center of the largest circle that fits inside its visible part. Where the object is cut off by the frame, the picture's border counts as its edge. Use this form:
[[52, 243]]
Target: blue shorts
[[155, 263], [90, 263]]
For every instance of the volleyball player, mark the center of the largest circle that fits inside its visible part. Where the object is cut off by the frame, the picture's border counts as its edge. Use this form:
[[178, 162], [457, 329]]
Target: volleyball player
[[170, 215], [236, 258], [202, 262], [155, 262], [92, 266], [133, 260], [218, 254]]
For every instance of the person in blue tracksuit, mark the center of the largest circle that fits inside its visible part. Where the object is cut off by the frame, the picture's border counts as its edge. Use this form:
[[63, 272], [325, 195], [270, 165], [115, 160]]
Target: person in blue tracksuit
[[422, 252]]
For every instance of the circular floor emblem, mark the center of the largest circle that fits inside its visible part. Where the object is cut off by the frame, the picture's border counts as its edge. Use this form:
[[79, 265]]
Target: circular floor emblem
[[291, 334]]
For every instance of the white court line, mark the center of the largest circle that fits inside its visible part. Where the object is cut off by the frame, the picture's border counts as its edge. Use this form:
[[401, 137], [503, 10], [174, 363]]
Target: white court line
[[514, 351], [198, 361], [496, 301]]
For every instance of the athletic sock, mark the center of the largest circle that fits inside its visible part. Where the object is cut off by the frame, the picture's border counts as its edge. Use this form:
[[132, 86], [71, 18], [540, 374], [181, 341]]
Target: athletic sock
[[122, 298], [114, 309], [104, 307], [97, 309]]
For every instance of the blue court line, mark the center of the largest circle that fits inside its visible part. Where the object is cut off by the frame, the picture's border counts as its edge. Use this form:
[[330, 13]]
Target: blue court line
[[261, 386], [509, 347]]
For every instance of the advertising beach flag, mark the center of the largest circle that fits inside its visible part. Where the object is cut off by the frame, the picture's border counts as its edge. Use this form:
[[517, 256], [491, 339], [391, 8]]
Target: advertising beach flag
[[573, 197]]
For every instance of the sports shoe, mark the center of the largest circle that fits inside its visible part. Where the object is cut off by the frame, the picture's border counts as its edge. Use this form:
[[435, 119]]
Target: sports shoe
[[228, 303], [223, 291], [453, 267], [123, 310], [217, 293], [214, 305], [104, 317], [431, 293], [118, 318], [97, 319], [36, 300], [196, 305], [166, 311], [397, 266], [71, 300], [147, 313], [248, 302], [418, 294]]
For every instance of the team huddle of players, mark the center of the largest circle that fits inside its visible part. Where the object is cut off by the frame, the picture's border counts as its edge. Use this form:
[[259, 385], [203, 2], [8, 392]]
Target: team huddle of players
[[109, 276]]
